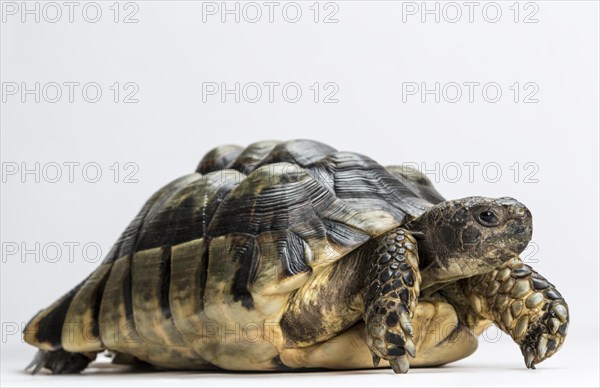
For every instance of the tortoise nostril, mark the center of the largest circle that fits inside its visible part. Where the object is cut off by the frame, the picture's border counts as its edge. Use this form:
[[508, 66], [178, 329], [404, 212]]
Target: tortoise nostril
[[519, 212], [514, 209]]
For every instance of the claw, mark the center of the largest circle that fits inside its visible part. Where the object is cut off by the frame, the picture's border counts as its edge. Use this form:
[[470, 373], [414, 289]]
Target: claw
[[376, 360], [406, 324], [409, 346], [542, 347], [553, 325], [59, 366], [37, 363], [529, 356], [399, 364]]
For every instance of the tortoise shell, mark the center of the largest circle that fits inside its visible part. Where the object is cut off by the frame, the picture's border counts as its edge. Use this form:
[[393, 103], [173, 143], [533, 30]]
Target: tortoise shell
[[228, 244]]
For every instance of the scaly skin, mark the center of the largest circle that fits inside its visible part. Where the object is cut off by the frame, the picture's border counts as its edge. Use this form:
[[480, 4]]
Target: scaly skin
[[60, 362], [391, 298], [523, 304]]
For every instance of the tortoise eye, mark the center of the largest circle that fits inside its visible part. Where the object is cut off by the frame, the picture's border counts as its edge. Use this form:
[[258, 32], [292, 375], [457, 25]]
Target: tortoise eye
[[488, 218]]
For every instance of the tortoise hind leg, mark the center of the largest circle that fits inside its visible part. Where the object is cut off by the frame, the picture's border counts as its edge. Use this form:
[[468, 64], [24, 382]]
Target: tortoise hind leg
[[60, 361]]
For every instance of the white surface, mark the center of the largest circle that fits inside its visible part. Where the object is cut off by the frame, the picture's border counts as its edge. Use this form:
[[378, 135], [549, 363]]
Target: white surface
[[369, 54], [494, 365]]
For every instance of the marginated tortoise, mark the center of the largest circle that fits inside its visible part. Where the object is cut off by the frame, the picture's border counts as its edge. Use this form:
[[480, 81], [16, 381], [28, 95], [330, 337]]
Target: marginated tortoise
[[289, 255]]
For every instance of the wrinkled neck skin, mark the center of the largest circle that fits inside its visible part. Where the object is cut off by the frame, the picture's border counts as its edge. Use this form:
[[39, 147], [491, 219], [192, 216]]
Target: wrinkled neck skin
[[439, 264], [442, 272]]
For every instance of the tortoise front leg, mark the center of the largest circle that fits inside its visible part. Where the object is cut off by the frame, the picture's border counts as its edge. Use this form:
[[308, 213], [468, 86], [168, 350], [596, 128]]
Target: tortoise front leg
[[391, 298], [523, 304]]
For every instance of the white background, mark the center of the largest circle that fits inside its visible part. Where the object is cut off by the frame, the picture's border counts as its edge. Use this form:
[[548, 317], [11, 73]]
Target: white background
[[369, 54]]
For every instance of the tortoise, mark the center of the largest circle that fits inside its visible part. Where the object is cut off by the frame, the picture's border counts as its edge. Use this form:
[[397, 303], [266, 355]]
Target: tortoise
[[291, 255]]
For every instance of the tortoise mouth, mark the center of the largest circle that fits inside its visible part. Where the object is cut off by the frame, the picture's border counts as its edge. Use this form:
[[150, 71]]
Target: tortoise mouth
[[512, 242], [502, 254]]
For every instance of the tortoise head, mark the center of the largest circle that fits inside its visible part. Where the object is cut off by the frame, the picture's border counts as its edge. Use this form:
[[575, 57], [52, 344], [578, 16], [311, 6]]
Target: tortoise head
[[469, 236]]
